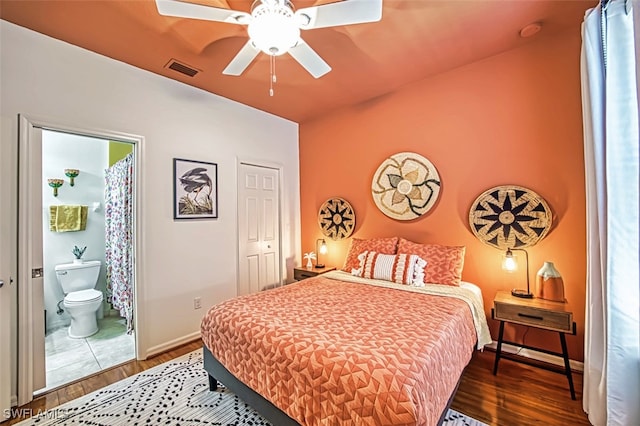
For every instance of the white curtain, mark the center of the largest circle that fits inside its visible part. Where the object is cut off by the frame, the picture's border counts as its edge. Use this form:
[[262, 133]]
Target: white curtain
[[611, 393]]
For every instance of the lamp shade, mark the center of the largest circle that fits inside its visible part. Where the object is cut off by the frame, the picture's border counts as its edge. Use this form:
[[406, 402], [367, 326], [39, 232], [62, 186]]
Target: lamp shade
[[509, 262], [321, 248]]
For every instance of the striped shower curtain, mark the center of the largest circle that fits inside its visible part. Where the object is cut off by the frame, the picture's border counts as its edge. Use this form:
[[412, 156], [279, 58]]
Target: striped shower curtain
[[119, 237]]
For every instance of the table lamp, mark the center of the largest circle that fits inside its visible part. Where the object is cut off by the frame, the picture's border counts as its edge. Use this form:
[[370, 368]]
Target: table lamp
[[509, 264], [321, 248]]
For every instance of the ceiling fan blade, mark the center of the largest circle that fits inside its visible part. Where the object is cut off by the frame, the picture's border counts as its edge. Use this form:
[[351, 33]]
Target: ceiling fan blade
[[197, 11], [309, 59], [242, 60], [345, 12]]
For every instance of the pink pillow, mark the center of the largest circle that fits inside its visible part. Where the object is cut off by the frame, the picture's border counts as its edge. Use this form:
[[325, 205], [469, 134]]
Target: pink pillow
[[397, 268], [444, 263], [358, 245]]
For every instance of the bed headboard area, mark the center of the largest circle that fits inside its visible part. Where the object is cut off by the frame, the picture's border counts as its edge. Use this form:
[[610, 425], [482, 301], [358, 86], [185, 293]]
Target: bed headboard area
[[439, 264]]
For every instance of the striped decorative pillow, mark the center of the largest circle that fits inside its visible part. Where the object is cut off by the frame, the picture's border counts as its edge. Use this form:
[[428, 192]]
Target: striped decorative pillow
[[401, 269]]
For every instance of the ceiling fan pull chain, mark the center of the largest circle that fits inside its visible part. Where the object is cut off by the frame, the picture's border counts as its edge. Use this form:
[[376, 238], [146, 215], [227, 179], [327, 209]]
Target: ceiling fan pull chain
[[272, 71]]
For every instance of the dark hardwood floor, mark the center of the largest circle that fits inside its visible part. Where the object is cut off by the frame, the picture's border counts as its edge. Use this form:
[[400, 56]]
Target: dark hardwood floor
[[519, 395]]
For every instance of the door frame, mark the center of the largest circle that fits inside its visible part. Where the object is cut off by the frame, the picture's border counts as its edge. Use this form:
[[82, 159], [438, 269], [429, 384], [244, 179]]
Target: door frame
[[27, 203], [280, 169], [8, 229]]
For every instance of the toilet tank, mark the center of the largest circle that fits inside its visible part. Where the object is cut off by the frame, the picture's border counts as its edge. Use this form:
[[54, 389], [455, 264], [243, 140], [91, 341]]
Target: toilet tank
[[78, 276]]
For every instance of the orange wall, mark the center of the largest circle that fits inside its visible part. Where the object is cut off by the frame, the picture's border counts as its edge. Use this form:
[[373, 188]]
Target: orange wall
[[512, 119]]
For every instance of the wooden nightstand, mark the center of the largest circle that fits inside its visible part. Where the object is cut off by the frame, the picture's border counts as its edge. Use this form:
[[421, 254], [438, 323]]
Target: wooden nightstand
[[539, 313], [301, 273]]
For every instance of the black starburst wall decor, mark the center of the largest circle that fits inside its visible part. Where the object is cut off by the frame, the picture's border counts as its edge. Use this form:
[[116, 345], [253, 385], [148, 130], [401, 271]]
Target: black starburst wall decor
[[336, 218], [510, 217]]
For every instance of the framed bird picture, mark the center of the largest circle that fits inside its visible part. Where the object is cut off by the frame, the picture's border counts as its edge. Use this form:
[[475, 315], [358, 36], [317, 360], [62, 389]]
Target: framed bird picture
[[195, 189]]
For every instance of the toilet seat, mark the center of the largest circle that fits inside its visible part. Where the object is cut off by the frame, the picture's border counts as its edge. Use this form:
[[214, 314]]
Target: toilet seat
[[82, 297]]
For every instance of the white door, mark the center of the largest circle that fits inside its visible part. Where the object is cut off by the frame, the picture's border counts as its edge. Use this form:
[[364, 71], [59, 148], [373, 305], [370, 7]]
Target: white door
[[258, 228], [6, 287], [31, 357]]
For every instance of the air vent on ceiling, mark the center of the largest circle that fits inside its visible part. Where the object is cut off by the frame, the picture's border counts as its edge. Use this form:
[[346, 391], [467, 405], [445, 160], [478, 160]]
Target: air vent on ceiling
[[181, 68]]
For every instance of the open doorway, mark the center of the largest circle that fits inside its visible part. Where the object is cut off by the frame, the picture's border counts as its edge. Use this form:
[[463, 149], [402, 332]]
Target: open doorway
[[76, 249], [78, 234]]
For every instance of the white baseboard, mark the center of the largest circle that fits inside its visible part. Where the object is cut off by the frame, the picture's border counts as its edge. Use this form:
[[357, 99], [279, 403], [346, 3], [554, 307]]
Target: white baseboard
[[538, 356], [155, 350]]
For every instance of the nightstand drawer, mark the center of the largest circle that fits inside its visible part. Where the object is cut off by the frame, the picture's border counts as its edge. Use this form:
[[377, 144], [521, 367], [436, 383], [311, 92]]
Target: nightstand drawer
[[526, 315], [301, 274]]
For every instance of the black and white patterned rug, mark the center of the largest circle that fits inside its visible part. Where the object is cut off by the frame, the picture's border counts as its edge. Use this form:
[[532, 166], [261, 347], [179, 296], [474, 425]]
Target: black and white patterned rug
[[173, 393]]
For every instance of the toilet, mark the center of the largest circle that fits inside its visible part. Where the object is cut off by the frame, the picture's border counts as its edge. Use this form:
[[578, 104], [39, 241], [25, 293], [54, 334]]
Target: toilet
[[82, 300]]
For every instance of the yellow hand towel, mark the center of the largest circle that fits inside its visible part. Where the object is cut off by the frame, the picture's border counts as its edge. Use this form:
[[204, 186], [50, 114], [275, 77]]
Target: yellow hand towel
[[68, 218], [53, 213]]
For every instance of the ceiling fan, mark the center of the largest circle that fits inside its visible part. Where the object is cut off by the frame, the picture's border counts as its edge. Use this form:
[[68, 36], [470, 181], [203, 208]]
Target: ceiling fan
[[274, 27]]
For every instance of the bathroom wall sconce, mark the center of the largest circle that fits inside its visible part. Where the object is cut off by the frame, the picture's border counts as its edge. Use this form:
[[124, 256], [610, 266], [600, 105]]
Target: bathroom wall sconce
[[322, 249], [71, 174], [55, 184]]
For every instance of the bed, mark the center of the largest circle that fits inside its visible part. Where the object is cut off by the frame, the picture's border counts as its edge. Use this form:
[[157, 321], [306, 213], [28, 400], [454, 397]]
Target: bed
[[339, 349]]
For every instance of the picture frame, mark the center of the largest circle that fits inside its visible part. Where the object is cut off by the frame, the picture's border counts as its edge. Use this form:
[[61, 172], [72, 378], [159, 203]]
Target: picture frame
[[195, 189]]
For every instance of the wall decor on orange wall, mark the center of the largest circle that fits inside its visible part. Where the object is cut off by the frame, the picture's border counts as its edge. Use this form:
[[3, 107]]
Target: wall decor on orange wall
[[510, 216], [405, 186], [336, 218]]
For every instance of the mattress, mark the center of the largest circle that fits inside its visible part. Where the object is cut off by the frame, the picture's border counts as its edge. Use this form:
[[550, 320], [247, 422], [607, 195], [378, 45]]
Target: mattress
[[342, 350]]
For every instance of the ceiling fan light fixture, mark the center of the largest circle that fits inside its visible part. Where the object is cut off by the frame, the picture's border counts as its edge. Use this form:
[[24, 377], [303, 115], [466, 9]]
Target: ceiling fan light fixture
[[273, 28]]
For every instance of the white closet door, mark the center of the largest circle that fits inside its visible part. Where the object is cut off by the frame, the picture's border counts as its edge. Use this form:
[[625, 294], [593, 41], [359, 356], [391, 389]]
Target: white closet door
[[258, 228]]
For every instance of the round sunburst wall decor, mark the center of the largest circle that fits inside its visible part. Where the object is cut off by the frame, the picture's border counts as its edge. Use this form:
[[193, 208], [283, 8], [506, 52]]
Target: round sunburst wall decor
[[336, 218], [405, 186], [510, 217]]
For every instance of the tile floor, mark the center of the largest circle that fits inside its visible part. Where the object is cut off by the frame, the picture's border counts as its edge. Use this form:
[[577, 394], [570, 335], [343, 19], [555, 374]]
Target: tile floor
[[69, 359]]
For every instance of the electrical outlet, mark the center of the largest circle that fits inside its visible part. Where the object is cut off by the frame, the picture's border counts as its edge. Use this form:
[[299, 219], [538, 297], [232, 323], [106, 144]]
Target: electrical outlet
[[197, 303]]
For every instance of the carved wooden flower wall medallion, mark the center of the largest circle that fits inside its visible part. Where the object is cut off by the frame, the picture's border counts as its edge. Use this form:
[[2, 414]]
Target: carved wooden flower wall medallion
[[336, 218], [510, 217], [405, 186]]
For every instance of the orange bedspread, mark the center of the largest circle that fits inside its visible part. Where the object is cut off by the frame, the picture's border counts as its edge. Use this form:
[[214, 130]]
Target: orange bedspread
[[331, 352]]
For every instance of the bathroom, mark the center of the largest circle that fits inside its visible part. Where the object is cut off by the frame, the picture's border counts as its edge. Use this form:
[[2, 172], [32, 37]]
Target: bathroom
[[73, 199]]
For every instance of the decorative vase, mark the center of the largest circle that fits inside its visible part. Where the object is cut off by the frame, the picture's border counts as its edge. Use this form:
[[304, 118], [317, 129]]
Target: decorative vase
[[549, 283], [77, 261]]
